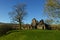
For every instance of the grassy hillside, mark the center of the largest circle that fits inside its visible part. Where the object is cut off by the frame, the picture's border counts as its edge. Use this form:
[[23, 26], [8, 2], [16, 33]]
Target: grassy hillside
[[32, 35]]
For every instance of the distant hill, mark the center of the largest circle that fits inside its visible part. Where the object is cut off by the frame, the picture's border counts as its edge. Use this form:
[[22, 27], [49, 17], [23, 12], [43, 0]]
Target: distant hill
[[6, 23], [2, 23]]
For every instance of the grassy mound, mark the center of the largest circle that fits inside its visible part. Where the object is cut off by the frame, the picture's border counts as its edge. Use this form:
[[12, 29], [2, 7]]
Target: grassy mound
[[32, 35]]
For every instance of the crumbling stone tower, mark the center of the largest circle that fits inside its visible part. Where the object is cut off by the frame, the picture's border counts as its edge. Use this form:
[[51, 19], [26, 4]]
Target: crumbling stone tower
[[34, 23]]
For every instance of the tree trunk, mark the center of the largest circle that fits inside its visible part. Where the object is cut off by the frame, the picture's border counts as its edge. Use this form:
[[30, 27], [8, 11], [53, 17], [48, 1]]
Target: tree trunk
[[19, 24]]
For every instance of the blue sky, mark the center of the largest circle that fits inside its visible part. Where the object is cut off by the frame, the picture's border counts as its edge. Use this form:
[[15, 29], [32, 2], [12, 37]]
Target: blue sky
[[34, 9]]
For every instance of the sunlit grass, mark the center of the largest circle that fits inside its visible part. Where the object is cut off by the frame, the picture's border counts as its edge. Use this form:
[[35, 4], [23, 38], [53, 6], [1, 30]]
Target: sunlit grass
[[32, 35]]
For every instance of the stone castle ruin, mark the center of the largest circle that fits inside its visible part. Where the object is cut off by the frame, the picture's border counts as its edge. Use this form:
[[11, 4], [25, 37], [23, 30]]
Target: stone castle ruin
[[39, 25], [36, 25]]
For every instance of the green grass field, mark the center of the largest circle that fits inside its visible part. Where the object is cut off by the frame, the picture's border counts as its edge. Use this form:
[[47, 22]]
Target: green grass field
[[32, 35]]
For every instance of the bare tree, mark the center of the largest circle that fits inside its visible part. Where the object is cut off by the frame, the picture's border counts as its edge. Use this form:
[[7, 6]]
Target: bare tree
[[52, 8], [49, 21], [18, 14]]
